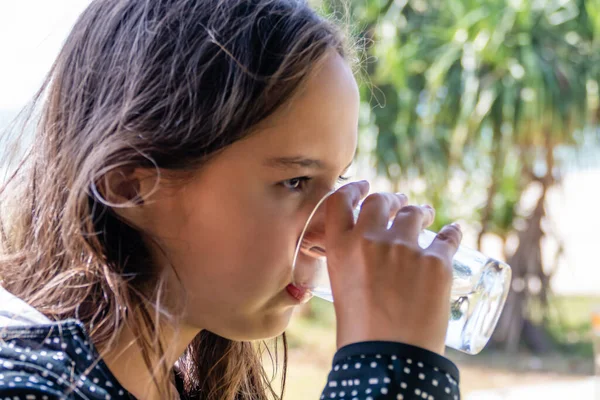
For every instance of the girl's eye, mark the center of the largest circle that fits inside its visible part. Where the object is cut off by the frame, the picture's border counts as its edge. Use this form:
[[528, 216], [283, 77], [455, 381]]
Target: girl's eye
[[296, 184], [299, 183]]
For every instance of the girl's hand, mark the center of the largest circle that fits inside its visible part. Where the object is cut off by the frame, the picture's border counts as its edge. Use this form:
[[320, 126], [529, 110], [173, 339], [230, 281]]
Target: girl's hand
[[385, 286]]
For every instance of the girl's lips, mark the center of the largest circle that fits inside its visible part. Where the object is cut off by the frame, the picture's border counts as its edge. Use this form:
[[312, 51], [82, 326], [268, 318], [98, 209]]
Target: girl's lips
[[302, 295]]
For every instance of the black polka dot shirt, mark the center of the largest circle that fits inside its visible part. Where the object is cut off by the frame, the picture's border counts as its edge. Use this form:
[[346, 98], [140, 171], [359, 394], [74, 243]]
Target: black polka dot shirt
[[57, 361]]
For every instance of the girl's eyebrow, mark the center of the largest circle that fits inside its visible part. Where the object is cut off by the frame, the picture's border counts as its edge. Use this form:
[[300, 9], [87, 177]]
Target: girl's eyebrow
[[296, 163]]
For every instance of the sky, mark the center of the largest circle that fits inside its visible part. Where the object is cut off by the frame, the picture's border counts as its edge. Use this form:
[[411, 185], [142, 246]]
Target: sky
[[31, 34]]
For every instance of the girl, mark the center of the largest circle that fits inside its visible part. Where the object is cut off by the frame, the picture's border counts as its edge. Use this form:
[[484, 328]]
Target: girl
[[148, 235]]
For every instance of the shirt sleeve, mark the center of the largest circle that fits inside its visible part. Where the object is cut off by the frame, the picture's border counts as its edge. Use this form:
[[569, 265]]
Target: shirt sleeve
[[391, 371]]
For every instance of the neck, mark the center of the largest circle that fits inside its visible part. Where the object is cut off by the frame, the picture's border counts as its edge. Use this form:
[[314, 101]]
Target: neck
[[126, 362]]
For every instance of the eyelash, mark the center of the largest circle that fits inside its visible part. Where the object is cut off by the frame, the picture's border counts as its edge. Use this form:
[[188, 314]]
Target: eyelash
[[303, 180]]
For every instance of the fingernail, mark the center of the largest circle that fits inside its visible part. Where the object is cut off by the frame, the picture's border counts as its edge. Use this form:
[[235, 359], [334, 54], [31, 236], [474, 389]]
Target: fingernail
[[401, 194], [427, 206], [456, 225]]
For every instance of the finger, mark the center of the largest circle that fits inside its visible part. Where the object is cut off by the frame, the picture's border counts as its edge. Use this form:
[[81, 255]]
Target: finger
[[339, 217], [410, 221], [377, 210], [445, 245]]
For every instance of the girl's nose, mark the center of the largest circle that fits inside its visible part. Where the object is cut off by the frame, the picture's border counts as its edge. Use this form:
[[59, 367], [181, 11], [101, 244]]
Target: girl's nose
[[313, 243]]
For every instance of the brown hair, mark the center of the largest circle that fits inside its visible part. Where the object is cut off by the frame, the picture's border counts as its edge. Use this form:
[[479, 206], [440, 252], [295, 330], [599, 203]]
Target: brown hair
[[162, 84]]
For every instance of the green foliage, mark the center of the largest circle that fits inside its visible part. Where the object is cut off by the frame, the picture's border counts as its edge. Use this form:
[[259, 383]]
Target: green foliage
[[477, 86]]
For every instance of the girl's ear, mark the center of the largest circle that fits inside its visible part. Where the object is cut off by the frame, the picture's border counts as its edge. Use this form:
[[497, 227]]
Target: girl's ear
[[126, 190]]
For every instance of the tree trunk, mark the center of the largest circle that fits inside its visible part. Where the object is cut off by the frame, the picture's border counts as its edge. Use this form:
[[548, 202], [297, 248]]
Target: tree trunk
[[526, 263]]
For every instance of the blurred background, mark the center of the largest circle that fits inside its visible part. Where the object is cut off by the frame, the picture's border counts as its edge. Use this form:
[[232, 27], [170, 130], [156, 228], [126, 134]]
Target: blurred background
[[487, 109]]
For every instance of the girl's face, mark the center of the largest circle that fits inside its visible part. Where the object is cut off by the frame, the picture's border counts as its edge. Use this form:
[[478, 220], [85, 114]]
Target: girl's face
[[230, 232]]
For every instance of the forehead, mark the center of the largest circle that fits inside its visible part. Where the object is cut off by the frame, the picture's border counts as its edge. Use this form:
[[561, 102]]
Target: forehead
[[320, 122]]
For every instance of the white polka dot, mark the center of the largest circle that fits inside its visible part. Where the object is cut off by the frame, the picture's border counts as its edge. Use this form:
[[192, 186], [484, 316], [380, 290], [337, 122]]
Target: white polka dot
[[22, 357], [49, 366], [30, 397], [369, 398], [408, 361], [344, 383], [390, 366], [332, 395], [403, 385], [345, 366], [43, 353], [407, 370], [368, 391], [342, 393], [386, 380], [96, 380], [78, 350], [333, 384], [109, 384], [424, 395], [354, 393], [430, 398], [336, 368], [399, 397], [357, 382], [421, 376], [434, 382], [373, 364], [121, 393], [373, 381], [18, 379], [447, 390], [107, 397], [8, 365], [394, 357], [384, 390], [378, 356], [417, 392], [33, 357], [357, 365], [92, 388], [420, 364], [56, 340], [63, 346]]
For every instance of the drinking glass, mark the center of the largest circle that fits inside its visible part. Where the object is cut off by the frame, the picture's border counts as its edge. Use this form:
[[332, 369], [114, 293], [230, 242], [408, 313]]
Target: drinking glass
[[479, 288]]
